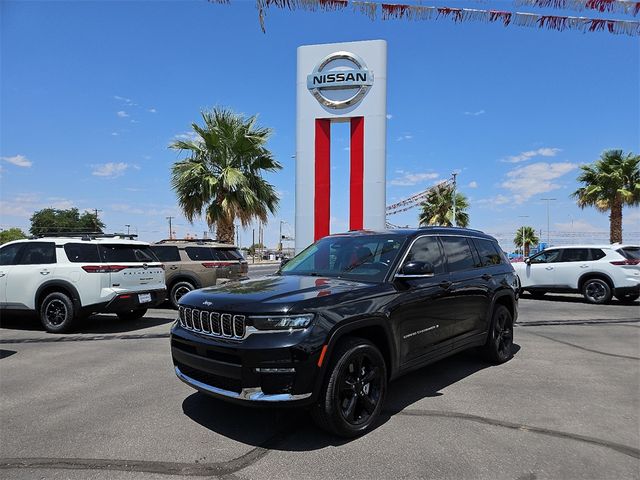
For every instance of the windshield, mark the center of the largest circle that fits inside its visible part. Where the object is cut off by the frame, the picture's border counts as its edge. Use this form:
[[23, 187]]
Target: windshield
[[363, 258]]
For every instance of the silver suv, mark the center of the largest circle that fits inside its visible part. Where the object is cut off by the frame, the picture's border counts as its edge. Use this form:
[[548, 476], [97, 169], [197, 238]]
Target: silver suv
[[198, 263]]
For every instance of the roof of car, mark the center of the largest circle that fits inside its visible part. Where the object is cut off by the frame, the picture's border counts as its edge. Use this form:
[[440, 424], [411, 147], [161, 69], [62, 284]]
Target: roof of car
[[65, 240], [615, 246], [408, 232]]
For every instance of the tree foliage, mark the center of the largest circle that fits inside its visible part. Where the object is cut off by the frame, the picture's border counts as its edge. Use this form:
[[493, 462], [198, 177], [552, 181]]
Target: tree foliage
[[437, 209], [52, 220], [610, 183], [11, 234], [221, 177], [526, 235]]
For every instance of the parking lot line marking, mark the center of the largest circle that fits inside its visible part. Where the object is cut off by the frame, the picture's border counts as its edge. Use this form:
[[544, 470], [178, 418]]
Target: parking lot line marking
[[628, 357], [624, 449], [79, 338]]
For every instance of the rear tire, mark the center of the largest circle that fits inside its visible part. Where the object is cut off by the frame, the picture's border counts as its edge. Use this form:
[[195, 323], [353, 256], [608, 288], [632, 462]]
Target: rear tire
[[498, 348], [132, 314], [596, 291], [57, 313], [628, 297], [178, 290], [353, 394]]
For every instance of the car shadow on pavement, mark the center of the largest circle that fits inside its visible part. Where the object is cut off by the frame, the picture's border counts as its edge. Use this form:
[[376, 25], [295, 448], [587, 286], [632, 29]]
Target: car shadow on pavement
[[576, 299], [95, 324], [291, 429]]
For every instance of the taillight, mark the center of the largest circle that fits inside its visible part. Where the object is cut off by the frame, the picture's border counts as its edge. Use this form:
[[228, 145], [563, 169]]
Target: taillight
[[212, 264], [626, 262], [103, 268]]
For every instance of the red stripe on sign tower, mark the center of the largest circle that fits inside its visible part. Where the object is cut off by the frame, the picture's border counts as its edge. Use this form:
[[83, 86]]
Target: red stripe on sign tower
[[322, 178], [356, 187]]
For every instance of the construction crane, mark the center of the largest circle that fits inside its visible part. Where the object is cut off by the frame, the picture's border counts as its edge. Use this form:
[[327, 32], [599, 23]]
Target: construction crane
[[414, 200]]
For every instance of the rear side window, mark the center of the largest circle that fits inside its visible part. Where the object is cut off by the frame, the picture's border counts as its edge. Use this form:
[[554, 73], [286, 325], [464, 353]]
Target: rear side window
[[597, 254], [427, 249], [575, 255], [630, 253], [9, 253], [489, 254], [166, 253], [199, 253], [38, 253], [459, 256], [117, 253], [82, 252], [227, 254]]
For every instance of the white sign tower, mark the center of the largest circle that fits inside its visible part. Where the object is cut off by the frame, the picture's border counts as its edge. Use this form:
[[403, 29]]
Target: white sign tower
[[340, 82]]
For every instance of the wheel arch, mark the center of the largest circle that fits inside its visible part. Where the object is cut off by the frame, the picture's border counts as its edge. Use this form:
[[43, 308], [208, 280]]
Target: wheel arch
[[591, 275], [183, 277], [61, 286]]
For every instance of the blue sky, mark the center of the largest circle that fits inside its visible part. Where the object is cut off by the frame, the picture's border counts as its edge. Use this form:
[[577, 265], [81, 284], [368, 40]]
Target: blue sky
[[93, 92]]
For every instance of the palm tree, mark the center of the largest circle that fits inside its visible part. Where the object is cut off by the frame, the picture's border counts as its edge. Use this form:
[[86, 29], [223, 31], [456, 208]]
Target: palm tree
[[529, 236], [221, 178], [610, 183], [437, 209]]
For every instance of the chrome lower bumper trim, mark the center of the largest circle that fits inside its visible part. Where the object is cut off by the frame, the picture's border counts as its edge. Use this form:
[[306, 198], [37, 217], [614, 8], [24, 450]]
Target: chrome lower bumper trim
[[249, 394]]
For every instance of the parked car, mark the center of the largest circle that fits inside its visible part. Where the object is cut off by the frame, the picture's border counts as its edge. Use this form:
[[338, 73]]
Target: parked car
[[191, 264], [64, 279], [597, 271], [344, 317]]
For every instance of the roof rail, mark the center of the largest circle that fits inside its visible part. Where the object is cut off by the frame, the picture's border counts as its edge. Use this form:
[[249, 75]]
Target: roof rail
[[87, 235], [189, 240]]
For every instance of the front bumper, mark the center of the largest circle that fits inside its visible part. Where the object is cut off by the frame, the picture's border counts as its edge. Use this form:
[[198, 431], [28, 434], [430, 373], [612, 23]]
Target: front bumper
[[263, 368]]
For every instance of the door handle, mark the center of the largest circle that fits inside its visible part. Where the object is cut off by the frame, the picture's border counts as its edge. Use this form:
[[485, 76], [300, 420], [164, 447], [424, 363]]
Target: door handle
[[584, 266], [486, 276], [2, 274], [44, 272], [548, 268], [173, 268], [445, 284]]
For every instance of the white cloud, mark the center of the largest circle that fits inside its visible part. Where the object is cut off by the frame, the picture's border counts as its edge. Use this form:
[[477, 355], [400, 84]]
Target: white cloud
[[152, 110], [123, 207], [125, 100], [576, 226], [60, 203], [525, 182], [409, 179], [18, 160], [475, 114], [115, 134], [494, 201], [528, 155], [473, 184], [109, 170], [389, 116], [406, 136], [122, 114]]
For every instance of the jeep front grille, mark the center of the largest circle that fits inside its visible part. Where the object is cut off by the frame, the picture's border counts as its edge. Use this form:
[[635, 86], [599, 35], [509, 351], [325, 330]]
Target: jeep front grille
[[212, 323]]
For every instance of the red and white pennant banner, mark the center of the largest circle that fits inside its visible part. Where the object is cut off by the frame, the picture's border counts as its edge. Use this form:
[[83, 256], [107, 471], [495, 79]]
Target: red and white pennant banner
[[388, 11]]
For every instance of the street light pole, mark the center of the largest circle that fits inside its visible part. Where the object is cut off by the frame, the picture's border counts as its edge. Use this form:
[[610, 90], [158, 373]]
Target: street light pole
[[128, 226], [548, 234], [454, 174]]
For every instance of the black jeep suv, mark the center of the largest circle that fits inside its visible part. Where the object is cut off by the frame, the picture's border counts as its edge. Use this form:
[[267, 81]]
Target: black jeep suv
[[340, 320]]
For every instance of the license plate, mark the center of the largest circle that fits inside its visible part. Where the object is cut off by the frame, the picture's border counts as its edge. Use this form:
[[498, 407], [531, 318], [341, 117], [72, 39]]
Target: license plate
[[144, 297]]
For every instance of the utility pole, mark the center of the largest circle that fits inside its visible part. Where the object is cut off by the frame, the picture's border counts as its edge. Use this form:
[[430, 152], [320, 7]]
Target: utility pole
[[523, 216], [280, 238], [548, 233], [128, 226], [453, 196], [170, 229], [95, 220], [253, 245]]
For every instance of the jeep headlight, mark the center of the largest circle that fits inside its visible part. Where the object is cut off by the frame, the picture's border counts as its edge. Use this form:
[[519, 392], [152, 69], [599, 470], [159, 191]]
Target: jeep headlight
[[282, 322]]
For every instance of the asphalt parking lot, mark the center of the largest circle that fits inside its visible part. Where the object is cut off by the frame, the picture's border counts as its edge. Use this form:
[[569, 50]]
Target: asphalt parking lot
[[104, 403]]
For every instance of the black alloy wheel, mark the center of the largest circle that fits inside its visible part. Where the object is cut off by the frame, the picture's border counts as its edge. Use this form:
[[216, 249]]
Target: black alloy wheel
[[57, 313], [353, 396], [499, 346], [178, 290], [596, 291]]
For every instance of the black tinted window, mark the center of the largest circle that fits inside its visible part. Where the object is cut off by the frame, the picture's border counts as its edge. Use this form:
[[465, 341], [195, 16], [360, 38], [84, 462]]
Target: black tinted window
[[9, 253], [597, 254], [458, 252], [127, 253], [166, 253], [630, 253], [38, 253], [227, 254], [547, 256], [575, 255], [199, 253], [82, 252], [488, 252], [427, 249]]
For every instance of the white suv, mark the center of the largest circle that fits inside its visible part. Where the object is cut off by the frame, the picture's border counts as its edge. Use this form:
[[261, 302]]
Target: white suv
[[597, 271], [63, 279]]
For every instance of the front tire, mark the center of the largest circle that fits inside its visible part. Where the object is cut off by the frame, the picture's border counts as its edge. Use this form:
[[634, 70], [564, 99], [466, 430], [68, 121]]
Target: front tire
[[57, 313], [130, 315], [596, 291], [498, 348], [178, 290], [352, 397]]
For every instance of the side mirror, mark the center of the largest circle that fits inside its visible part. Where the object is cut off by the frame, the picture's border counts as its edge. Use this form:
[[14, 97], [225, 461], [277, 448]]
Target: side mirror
[[284, 261], [527, 260], [413, 269]]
